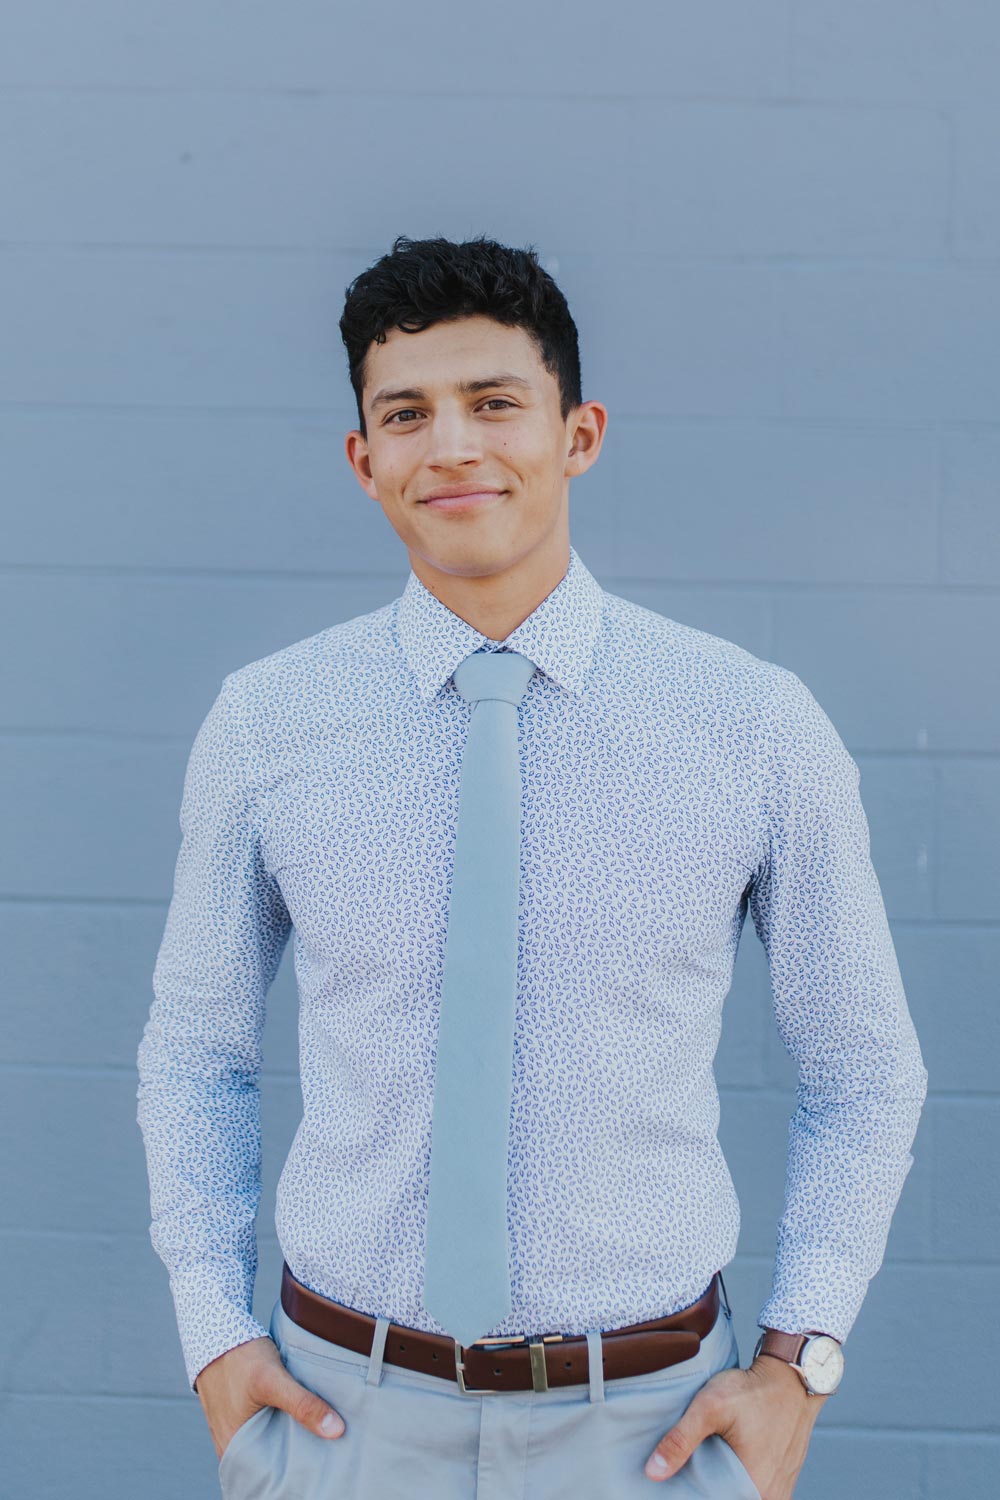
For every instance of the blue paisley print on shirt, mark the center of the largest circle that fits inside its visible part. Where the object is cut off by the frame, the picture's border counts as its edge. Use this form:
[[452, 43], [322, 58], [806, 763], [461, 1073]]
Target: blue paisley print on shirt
[[672, 782]]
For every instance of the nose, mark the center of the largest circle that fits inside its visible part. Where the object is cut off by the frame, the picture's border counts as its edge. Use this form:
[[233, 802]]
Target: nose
[[453, 440]]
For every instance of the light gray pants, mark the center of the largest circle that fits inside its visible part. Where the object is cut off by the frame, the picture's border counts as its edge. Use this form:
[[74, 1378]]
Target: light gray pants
[[412, 1436]]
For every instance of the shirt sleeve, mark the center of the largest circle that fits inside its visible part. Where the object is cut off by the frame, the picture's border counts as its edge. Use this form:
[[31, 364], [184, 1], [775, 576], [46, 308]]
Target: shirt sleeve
[[842, 1014], [199, 1057]]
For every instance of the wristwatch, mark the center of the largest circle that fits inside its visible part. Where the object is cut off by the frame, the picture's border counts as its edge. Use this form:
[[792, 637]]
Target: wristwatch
[[817, 1357]]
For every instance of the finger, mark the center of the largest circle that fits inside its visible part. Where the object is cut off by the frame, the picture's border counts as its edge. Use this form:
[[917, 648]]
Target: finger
[[676, 1446], [305, 1406]]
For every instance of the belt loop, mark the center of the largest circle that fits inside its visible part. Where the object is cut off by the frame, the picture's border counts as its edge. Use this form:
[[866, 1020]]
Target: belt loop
[[595, 1364], [374, 1376], [725, 1296]]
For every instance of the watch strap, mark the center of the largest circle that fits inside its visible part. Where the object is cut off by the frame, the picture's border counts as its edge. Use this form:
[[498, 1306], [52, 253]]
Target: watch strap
[[786, 1346]]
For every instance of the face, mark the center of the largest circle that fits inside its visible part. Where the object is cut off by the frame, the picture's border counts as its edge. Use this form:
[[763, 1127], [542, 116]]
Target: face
[[467, 406]]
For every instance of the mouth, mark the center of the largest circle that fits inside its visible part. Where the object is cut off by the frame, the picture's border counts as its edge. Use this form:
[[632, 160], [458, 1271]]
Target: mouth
[[471, 500]]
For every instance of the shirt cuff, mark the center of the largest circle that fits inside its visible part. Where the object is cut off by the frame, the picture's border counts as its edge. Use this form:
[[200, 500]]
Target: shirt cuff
[[826, 1297], [209, 1322]]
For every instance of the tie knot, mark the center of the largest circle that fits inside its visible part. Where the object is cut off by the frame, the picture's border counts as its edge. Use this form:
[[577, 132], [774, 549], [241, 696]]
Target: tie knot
[[494, 674]]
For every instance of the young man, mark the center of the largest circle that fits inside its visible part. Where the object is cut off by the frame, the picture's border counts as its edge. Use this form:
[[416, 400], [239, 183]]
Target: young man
[[516, 823]]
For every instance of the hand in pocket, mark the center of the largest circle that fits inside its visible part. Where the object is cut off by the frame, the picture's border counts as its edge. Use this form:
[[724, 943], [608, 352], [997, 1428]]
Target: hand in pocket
[[251, 1376]]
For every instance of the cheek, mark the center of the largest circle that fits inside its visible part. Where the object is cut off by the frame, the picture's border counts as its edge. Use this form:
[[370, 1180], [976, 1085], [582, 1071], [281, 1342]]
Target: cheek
[[524, 456], [393, 472]]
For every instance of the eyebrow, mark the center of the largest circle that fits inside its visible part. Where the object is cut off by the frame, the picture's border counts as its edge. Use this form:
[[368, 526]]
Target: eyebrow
[[464, 388]]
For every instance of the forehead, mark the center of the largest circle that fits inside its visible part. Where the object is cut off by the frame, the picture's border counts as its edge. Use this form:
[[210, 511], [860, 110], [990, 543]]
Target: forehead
[[440, 356]]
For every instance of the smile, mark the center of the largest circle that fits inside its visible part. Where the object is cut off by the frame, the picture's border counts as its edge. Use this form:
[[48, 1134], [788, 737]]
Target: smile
[[463, 502]]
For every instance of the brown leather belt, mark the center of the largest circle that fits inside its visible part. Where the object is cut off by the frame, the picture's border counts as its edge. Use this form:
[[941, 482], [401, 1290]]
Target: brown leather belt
[[506, 1363]]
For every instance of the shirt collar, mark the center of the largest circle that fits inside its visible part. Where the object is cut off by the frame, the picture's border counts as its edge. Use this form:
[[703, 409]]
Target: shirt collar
[[558, 636]]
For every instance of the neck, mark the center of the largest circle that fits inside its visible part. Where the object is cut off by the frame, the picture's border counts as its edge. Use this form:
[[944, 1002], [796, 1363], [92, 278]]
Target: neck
[[496, 603]]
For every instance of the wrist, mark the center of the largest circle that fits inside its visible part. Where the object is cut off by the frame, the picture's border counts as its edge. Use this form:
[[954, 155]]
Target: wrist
[[777, 1377], [816, 1358]]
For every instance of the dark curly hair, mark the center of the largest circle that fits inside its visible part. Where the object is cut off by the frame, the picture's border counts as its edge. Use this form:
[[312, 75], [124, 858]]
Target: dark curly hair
[[420, 282]]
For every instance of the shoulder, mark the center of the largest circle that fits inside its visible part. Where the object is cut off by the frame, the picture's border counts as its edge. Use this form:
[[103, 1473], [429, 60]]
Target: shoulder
[[763, 712], [327, 666], [698, 663]]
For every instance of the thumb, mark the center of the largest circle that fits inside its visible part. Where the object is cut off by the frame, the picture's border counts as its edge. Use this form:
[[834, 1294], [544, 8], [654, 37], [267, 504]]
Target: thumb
[[305, 1406], [676, 1446]]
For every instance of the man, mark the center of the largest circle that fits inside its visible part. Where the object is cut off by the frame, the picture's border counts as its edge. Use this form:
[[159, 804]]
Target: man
[[516, 908]]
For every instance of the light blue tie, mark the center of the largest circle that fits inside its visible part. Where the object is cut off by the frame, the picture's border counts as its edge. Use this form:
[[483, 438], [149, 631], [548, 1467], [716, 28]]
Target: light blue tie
[[466, 1272]]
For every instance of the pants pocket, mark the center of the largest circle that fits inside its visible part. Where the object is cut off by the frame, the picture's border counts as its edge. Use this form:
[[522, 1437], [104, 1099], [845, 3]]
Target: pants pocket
[[238, 1452], [749, 1490]]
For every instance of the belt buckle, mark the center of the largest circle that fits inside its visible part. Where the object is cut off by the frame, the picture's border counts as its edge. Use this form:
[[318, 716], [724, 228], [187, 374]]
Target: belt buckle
[[539, 1374]]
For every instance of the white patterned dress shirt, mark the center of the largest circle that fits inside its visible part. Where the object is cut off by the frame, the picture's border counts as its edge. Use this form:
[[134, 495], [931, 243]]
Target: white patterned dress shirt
[[672, 781]]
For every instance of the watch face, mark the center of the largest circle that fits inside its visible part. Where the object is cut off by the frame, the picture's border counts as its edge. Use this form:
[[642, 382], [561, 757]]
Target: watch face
[[822, 1362]]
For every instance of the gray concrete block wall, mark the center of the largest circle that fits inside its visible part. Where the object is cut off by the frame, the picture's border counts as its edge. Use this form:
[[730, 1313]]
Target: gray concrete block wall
[[778, 228]]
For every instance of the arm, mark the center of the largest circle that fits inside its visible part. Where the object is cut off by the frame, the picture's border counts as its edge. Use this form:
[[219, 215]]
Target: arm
[[200, 1055], [841, 1011]]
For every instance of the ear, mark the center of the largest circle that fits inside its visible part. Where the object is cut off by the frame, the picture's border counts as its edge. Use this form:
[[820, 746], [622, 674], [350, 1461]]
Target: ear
[[356, 449], [587, 427]]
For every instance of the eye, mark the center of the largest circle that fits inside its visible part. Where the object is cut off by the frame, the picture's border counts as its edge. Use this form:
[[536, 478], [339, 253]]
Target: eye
[[409, 410]]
